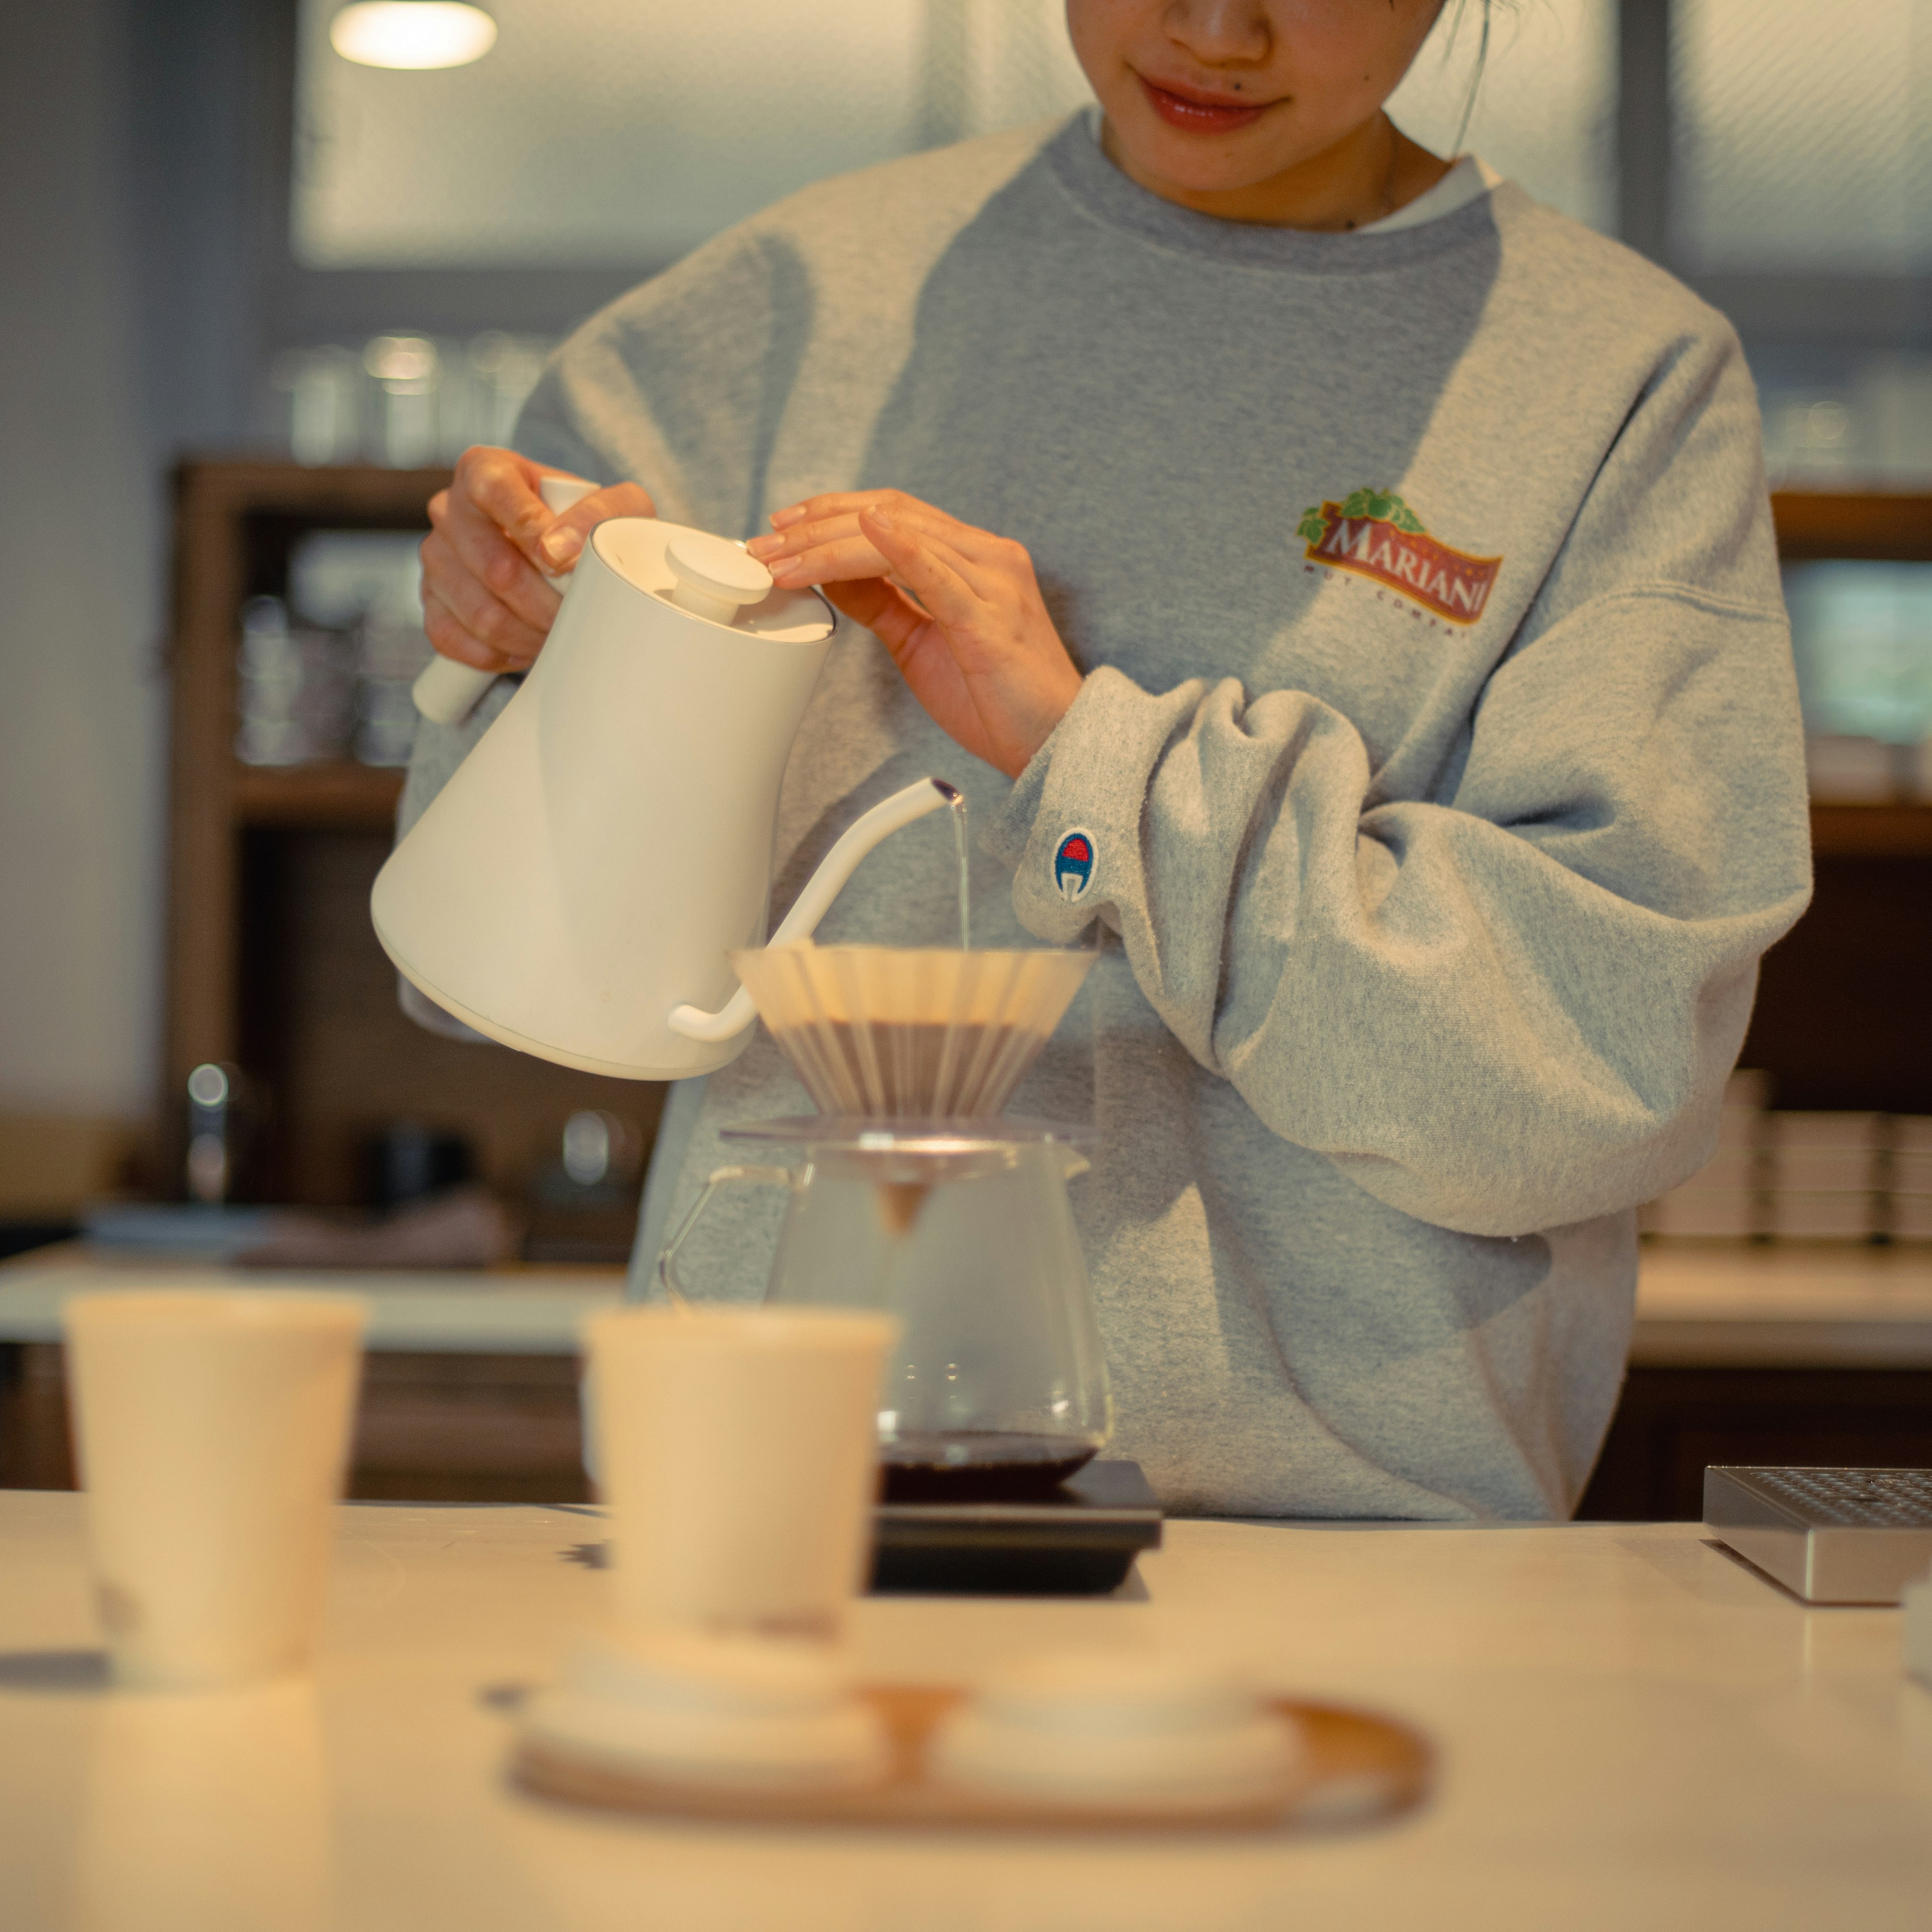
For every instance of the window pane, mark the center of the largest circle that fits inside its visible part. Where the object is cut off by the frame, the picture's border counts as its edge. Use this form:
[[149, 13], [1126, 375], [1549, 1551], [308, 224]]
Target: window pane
[[1801, 134], [1546, 111], [620, 133]]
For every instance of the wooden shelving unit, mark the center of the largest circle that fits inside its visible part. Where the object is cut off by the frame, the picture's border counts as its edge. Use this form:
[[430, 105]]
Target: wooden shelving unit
[[1815, 525], [234, 523], [1871, 831], [271, 960], [1836, 1023], [336, 797], [1893, 528]]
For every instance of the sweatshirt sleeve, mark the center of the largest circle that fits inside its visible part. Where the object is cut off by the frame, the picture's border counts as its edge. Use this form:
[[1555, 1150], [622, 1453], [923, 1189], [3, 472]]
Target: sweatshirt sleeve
[[1512, 1004]]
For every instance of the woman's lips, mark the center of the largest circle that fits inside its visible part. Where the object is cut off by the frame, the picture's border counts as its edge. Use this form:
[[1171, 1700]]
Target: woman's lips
[[1197, 116]]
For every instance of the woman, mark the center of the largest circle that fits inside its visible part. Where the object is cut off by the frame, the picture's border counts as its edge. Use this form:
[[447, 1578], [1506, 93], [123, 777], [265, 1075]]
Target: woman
[[1372, 571]]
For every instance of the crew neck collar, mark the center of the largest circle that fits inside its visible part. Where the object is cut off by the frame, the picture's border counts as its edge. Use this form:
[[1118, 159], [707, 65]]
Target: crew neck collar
[[1469, 178], [1082, 168]]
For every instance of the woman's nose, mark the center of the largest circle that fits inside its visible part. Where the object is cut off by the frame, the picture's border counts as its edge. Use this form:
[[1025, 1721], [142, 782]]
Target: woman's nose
[[1220, 31]]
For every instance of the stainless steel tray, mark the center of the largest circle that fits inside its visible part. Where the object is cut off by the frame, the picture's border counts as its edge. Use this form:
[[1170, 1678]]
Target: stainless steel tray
[[1831, 1536]]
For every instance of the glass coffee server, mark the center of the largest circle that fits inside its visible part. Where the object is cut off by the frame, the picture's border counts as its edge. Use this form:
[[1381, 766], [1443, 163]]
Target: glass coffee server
[[911, 1191]]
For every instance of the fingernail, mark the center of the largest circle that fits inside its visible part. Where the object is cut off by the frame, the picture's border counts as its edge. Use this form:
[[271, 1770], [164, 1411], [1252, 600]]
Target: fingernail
[[884, 522], [762, 547], [561, 545], [783, 573], [781, 517]]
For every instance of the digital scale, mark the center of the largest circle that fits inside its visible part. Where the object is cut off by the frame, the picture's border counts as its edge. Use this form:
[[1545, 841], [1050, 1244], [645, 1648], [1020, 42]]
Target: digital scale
[[1830, 1536], [1080, 1541]]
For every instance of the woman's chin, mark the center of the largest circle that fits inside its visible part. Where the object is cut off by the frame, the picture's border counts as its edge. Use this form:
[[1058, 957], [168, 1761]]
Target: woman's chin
[[1167, 160], [1174, 168]]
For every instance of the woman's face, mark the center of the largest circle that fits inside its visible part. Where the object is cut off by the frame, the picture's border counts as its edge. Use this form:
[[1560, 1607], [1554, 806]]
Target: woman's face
[[1214, 97]]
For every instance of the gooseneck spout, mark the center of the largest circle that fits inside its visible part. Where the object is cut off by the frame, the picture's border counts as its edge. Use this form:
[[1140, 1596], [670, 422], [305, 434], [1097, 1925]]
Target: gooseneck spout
[[812, 903]]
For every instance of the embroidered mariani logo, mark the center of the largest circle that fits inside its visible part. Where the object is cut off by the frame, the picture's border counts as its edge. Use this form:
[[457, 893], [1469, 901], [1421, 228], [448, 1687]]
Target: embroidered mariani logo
[[1375, 534]]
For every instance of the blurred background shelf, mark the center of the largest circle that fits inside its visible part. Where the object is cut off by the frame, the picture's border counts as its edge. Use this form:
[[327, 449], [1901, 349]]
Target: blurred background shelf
[[272, 965], [349, 496], [1870, 831], [335, 797], [1877, 527]]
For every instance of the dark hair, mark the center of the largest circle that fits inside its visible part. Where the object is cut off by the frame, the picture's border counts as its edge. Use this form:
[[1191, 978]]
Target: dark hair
[[1476, 79]]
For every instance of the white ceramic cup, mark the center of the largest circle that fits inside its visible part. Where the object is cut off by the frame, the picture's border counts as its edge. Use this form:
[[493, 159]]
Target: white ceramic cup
[[738, 1451], [212, 1431]]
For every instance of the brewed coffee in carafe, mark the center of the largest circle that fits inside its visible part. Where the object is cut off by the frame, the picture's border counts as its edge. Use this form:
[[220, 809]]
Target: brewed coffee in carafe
[[963, 1232], [912, 1193]]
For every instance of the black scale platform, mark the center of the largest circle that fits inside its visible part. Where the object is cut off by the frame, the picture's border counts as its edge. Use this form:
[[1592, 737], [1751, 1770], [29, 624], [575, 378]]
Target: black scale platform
[[1079, 1542]]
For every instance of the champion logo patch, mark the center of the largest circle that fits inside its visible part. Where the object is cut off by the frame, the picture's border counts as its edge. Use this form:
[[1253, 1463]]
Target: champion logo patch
[[1073, 864]]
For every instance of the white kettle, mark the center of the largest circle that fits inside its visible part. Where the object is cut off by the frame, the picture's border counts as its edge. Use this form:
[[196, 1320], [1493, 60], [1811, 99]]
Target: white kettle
[[574, 890]]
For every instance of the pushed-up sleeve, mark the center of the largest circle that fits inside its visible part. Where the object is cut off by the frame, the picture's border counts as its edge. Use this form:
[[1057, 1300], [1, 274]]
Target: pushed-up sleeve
[[1512, 1005]]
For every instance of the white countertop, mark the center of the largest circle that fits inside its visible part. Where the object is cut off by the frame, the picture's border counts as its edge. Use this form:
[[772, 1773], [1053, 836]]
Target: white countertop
[[1635, 1731], [1700, 1304]]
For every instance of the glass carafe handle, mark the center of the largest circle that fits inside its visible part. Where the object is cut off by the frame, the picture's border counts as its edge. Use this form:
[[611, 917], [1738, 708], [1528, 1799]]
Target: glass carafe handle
[[722, 1176]]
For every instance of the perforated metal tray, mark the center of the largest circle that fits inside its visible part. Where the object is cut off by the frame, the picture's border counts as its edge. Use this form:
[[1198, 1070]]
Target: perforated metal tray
[[1831, 1536]]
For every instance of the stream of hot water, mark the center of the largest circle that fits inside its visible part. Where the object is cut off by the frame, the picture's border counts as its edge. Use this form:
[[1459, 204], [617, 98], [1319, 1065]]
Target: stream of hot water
[[957, 806]]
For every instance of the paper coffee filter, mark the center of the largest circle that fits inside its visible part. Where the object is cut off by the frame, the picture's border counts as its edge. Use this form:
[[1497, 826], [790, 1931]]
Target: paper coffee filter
[[910, 1032]]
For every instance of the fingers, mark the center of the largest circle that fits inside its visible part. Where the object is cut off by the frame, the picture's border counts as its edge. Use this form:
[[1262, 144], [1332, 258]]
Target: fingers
[[833, 503], [882, 608], [835, 548], [468, 619], [562, 543], [977, 648], [452, 640], [499, 487], [820, 542], [467, 542], [824, 519], [839, 559], [493, 544], [936, 573]]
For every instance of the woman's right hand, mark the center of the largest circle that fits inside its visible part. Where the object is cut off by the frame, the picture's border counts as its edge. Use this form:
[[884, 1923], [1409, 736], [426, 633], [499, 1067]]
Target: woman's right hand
[[492, 542]]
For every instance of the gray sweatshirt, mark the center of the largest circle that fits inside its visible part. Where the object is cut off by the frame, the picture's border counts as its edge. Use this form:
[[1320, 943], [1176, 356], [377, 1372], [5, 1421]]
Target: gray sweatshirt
[[1436, 781]]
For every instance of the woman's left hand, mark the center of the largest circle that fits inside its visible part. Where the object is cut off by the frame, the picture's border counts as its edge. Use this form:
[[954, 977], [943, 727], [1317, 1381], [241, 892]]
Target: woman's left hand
[[982, 654]]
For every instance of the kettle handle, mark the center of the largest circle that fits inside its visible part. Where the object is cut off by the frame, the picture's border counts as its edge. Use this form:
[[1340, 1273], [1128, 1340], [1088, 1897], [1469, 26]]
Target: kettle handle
[[815, 901], [446, 692], [722, 1177]]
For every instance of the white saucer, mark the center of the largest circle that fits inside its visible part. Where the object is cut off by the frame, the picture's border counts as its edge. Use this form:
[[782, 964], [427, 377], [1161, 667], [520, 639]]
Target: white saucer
[[684, 1706], [1112, 1728]]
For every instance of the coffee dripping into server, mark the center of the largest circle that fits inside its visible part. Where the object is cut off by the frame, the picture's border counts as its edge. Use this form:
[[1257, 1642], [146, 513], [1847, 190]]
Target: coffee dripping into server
[[913, 1193], [582, 888]]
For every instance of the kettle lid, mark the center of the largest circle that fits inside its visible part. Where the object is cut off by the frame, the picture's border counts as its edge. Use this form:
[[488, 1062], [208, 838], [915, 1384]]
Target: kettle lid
[[716, 577]]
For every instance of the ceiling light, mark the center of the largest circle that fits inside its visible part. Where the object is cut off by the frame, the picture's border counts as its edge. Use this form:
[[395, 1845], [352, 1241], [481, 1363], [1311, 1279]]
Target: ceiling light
[[412, 33]]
